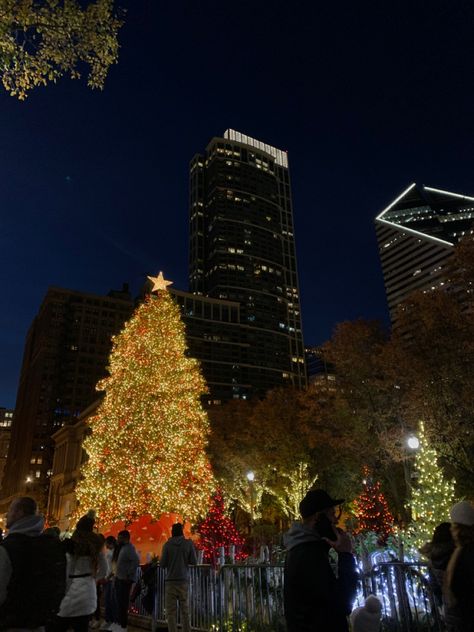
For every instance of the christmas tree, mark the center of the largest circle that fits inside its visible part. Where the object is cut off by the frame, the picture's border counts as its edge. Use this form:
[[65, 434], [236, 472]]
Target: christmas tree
[[432, 497], [147, 444], [217, 530], [371, 509]]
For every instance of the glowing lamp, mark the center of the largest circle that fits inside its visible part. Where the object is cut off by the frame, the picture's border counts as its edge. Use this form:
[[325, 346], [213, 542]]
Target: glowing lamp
[[413, 442]]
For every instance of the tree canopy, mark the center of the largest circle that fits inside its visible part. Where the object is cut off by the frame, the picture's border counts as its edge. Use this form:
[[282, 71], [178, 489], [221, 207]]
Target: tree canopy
[[44, 40]]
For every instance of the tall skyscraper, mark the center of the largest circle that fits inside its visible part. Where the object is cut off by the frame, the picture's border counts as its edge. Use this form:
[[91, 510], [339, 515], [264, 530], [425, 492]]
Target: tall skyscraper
[[416, 234], [242, 250], [66, 353]]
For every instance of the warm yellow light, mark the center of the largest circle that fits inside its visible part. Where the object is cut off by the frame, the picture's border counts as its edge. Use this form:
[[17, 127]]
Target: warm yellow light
[[146, 452], [159, 282]]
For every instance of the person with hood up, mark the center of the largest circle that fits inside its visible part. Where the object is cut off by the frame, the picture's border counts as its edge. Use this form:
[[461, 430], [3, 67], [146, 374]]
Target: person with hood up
[[367, 618], [85, 565], [315, 599], [177, 555], [459, 579]]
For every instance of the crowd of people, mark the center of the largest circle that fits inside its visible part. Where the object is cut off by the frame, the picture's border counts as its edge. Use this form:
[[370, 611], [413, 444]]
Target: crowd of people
[[318, 599], [53, 585]]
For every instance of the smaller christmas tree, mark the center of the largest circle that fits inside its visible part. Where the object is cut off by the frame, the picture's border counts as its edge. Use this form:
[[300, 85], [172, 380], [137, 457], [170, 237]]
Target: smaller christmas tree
[[432, 497], [371, 509], [217, 530]]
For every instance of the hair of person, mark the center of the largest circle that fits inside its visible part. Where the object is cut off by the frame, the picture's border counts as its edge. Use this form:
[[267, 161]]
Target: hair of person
[[177, 530], [53, 532], [27, 505], [442, 533], [442, 536], [462, 534], [111, 540], [86, 544], [124, 534]]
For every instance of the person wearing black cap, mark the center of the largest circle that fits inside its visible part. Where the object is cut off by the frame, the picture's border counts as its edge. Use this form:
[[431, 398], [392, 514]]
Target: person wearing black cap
[[315, 599]]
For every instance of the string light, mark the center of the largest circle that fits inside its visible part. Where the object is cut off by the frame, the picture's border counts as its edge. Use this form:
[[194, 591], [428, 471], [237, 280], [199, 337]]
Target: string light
[[146, 450], [432, 496], [218, 531], [371, 509]]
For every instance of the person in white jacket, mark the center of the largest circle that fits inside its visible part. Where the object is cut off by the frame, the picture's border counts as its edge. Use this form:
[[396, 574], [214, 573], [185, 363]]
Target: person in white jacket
[[85, 565]]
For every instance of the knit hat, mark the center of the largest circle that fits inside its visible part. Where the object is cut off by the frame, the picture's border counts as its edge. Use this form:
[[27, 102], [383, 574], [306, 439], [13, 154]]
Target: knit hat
[[367, 618], [86, 523], [463, 513]]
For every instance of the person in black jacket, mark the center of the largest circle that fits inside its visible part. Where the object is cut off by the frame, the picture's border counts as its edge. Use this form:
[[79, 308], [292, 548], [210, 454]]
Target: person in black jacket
[[32, 570], [459, 584], [315, 599]]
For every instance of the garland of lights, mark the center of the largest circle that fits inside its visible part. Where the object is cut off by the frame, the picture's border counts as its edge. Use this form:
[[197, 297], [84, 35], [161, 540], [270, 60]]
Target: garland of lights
[[218, 531], [146, 450], [432, 496], [371, 509]]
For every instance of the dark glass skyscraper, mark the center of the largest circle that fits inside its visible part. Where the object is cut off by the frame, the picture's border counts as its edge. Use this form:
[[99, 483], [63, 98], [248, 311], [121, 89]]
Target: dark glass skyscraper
[[242, 249], [416, 234]]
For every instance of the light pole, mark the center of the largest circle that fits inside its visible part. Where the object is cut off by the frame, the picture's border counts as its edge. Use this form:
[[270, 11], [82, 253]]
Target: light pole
[[412, 443], [251, 478]]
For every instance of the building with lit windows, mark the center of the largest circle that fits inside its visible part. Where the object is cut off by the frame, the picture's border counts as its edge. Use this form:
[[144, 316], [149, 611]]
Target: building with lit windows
[[66, 353], [6, 418], [416, 234], [242, 250], [69, 456]]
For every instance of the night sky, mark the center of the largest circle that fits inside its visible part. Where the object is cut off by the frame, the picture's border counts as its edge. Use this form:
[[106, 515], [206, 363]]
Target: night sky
[[366, 97]]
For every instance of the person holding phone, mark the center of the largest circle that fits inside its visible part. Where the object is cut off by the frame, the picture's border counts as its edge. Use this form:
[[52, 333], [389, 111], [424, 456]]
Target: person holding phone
[[315, 598]]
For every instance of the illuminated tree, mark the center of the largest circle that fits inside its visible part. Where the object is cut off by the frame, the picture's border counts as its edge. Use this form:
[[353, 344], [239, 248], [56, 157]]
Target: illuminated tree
[[42, 41], [147, 443], [217, 530], [371, 509], [432, 497], [295, 485]]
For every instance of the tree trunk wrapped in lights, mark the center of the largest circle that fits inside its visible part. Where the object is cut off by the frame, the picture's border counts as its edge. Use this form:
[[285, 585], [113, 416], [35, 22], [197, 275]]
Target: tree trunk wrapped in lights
[[147, 444]]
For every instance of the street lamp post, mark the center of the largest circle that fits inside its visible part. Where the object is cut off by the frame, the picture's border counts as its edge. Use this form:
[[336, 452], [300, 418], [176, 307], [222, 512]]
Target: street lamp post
[[413, 443], [251, 478]]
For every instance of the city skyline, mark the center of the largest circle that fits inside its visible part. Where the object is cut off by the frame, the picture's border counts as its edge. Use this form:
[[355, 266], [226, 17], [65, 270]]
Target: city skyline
[[94, 183]]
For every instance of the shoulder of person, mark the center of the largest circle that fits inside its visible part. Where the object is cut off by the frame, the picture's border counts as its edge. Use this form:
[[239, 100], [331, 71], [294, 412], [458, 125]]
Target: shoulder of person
[[4, 558]]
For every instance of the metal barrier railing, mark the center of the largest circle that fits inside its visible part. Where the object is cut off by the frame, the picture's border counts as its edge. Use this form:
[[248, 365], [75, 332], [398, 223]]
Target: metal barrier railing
[[236, 597], [408, 603]]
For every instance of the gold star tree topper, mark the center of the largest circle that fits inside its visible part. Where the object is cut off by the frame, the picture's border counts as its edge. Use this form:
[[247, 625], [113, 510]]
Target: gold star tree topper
[[159, 282]]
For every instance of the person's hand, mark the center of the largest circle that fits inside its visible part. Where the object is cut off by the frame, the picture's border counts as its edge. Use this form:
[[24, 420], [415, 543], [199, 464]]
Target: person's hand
[[343, 542]]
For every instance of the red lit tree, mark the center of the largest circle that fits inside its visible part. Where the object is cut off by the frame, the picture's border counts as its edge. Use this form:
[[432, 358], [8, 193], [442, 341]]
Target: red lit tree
[[217, 530], [371, 509]]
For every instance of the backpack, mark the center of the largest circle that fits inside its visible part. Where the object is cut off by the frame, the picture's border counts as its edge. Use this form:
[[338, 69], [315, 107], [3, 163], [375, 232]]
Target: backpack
[[38, 581]]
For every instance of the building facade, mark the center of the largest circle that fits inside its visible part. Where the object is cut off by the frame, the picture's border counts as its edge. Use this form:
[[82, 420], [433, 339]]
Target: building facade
[[242, 250], [6, 418], [66, 353], [69, 456], [416, 234]]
